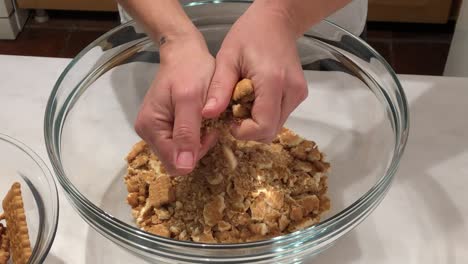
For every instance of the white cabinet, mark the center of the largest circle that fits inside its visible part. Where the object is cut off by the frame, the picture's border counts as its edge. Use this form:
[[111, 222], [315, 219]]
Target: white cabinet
[[11, 19], [457, 60]]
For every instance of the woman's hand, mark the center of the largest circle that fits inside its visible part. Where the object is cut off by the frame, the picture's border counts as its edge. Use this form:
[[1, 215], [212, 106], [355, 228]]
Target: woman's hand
[[260, 46], [170, 116]]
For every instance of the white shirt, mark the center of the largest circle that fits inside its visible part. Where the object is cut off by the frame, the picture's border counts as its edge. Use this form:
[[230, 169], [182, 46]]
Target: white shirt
[[352, 17]]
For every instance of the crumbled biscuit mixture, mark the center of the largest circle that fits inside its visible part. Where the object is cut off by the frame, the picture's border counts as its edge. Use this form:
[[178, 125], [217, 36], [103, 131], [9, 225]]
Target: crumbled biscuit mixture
[[239, 192]]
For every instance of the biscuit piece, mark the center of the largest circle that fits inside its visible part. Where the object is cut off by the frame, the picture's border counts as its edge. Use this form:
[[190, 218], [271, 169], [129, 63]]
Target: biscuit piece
[[242, 99], [4, 245], [213, 210], [243, 89], [161, 191], [17, 228]]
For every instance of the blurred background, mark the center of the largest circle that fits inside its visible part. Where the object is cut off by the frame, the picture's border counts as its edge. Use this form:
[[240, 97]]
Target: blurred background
[[415, 37]]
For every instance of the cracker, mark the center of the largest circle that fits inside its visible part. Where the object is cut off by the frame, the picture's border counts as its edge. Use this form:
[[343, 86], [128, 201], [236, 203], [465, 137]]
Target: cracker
[[4, 245], [243, 89], [17, 228]]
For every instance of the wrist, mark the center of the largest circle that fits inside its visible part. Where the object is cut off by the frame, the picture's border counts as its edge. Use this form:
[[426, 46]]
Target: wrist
[[179, 42], [178, 35], [277, 13]]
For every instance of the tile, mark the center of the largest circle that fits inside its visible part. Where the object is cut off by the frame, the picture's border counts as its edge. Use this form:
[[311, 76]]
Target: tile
[[52, 23], [36, 42], [411, 27], [99, 22], [411, 31], [79, 40], [375, 34], [384, 48], [424, 58], [78, 20], [423, 36]]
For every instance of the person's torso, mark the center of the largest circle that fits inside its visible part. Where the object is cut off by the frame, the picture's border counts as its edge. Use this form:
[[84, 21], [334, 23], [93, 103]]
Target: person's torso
[[352, 17]]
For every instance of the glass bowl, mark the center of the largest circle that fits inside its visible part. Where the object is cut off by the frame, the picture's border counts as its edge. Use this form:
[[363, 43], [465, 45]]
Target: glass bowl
[[356, 112], [40, 197]]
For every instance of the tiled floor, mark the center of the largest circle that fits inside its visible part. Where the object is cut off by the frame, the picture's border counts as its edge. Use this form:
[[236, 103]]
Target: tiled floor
[[64, 35], [409, 48]]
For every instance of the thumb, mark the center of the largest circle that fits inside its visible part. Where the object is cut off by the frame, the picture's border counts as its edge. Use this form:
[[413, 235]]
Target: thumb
[[186, 135], [220, 91]]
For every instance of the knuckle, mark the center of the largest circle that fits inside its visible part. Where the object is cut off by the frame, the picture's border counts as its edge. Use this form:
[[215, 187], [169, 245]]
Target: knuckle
[[184, 134], [279, 76], [300, 88], [215, 85], [303, 94], [270, 136], [267, 130], [225, 55], [187, 94], [141, 123]]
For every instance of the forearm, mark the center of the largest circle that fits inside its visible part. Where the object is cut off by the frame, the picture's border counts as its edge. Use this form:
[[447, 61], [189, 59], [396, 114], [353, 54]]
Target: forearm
[[300, 14], [163, 20]]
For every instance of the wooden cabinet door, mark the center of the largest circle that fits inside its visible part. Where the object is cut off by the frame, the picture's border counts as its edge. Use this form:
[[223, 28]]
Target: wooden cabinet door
[[90, 5], [418, 11]]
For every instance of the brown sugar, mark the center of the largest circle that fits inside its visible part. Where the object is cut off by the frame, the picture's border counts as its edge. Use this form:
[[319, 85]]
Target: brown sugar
[[241, 191]]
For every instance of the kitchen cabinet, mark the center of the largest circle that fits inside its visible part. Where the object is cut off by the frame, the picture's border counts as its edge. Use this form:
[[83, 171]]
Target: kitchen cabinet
[[85, 5], [415, 11]]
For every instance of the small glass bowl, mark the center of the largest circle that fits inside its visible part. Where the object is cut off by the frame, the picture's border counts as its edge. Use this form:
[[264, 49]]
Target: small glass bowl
[[356, 112], [20, 164]]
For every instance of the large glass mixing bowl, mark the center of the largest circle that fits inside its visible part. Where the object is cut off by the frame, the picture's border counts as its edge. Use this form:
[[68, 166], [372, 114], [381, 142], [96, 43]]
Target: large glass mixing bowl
[[356, 112]]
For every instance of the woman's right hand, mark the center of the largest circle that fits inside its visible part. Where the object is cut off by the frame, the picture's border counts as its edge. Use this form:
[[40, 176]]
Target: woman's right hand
[[170, 116]]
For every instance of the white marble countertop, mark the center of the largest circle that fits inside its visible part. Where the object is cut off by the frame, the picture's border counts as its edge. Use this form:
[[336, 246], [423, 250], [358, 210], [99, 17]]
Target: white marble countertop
[[423, 219]]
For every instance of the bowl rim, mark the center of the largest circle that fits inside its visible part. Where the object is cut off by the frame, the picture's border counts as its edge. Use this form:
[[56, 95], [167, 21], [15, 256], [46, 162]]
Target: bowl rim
[[369, 197], [39, 254]]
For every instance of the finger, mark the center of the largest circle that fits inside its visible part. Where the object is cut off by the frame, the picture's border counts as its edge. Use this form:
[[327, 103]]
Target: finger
[[208, 141], [156, 131], [266, 113], [186, 131], [220, 91], [164, 148], [292, 98]]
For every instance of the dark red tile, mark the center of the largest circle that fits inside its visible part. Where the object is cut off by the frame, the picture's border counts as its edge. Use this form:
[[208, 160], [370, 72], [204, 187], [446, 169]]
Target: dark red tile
[[423, 36], [36, 42], [411, 27], [78, 20], [78, 41], [97, 25], [52, 23], [424, 58], [373, 34], [384, 48]]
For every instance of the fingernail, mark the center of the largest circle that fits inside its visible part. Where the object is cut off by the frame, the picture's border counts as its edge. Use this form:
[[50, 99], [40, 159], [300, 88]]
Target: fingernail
[[210, 103], [184, 160]]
